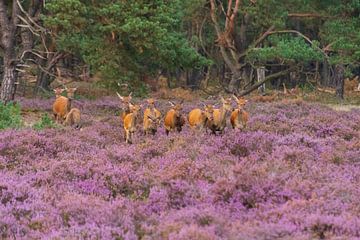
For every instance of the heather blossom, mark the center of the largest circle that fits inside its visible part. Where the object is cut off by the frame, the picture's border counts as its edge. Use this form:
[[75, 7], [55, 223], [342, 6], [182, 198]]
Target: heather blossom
[[293, 173]]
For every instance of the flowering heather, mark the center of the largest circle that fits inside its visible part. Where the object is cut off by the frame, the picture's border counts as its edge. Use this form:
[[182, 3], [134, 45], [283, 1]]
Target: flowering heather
[[294, 173]]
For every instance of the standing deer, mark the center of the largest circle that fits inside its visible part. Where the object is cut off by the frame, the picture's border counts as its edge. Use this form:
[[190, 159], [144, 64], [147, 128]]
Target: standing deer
[[220, 116], [62, 105], [173, 118], [239, 117], [199, 118], [130, 122], [127, 102], [152, 118]]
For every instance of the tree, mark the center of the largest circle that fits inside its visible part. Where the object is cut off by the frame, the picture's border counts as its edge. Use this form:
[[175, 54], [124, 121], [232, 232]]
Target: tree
[[8, 22], [123, 39]]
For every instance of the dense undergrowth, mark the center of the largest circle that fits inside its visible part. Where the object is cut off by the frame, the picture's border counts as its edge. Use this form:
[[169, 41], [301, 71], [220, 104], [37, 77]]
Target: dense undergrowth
[[293, 174]]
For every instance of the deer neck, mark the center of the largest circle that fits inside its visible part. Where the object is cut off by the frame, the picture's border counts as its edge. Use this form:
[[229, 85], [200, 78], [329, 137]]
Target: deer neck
[[69, 104], [223, 113]]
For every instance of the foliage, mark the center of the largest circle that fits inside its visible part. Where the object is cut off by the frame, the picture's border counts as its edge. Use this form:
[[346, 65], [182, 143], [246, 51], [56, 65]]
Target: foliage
[[9, 116], [293, 174], [123, 39], [285, 48], [45, 122]]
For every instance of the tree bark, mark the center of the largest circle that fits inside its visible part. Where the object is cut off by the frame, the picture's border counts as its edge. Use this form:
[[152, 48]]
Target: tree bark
[[226, 42], [8, 82], [8, 25], [325, 74], [339, 80], [260, 72]]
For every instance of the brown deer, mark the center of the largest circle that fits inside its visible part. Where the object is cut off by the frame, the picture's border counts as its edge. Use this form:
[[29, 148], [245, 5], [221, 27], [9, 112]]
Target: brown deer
[[73, 118], [62, 105], [130, 122], [198, 118], [173, 118], [126, 102], [239, 117], [152, 118], [220, 115]]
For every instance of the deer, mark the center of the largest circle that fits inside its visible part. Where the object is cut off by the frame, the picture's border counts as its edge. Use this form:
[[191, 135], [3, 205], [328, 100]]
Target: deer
[[220, 115], [239, 117], [173, 118], [199, 118], [58, 92], [62, 105], [127, 102], [130, 122], [73, 118], [152, 117]]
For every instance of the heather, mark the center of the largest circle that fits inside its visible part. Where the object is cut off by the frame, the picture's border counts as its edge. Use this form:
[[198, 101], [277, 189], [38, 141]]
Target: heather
[[294, 173]]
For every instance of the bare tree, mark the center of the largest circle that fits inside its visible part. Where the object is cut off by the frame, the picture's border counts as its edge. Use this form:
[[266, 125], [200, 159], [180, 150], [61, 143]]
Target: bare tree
[[226, 40]]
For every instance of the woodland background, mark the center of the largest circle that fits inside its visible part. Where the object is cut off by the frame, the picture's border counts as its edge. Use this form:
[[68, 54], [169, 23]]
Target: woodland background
[[195, 44]]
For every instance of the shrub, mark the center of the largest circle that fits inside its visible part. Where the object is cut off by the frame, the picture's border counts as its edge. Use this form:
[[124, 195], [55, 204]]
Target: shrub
[[45, 122], [9, 116]]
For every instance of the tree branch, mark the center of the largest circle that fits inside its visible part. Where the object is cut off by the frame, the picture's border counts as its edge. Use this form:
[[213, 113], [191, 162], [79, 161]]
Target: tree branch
[[268, 78], [307, 15], [223, 52]]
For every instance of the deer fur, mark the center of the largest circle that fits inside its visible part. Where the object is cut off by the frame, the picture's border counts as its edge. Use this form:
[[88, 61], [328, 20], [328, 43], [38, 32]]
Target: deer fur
[[130, 122], [220, 115], [73, 118], [198, 118], [126, 101], [152, 117], [239, 117], [62, 105], [173, 118]]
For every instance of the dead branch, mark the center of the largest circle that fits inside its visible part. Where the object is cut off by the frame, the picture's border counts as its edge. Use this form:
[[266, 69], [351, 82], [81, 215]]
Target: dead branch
[[268, 78], [30, 18], [326, 90]]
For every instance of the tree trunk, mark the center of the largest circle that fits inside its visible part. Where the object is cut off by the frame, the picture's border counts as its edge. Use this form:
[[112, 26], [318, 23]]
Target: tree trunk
[[27, 42], [8, 81], [325, 74], [8, 26], [339, 80], [234, 81], [260, 72]]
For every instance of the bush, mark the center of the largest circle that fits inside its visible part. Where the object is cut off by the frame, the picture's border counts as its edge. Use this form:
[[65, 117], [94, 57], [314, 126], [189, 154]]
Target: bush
[[9, 116], [45, 122]]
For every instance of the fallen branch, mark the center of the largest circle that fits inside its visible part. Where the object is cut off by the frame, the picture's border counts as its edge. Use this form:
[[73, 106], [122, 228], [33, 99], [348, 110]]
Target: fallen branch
[[326, 90], [268, 78]]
